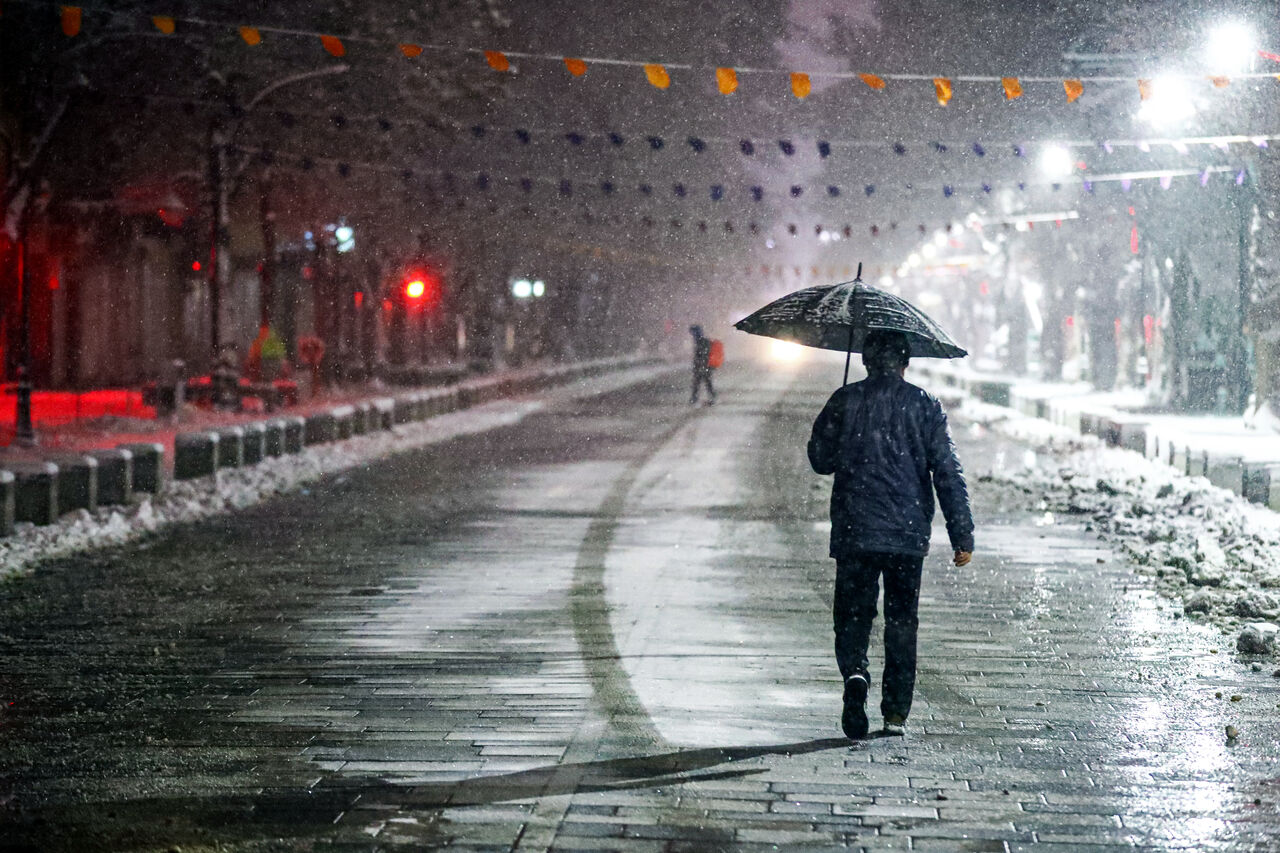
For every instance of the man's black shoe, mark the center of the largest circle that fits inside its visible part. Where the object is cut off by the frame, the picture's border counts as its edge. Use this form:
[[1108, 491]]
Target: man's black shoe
[[854, 718]]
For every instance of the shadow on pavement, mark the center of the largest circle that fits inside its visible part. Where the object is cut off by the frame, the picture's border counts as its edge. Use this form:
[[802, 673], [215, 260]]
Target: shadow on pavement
[[231, 818]]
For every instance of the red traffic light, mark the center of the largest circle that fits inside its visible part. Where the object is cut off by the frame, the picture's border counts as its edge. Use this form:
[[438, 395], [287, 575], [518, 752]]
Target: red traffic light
[[415, 288]]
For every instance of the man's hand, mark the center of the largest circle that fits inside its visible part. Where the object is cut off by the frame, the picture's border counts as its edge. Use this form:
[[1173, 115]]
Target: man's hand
[[963, 558]]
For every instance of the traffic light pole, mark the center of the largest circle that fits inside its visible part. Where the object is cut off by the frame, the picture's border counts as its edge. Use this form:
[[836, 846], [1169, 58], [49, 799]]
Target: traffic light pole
[[24, 433]]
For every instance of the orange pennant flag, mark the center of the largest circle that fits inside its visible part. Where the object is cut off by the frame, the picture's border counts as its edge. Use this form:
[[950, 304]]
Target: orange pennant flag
[[1074, 89], [576, 66], [333, 45], [1012, 88], [497, 60], [251, 35], [726, 80], [942, 88], [1220, 82], [1144, 88], [657, 76], [164, 24], [71, 21], [411, 50], [800, 85], [873, 81]]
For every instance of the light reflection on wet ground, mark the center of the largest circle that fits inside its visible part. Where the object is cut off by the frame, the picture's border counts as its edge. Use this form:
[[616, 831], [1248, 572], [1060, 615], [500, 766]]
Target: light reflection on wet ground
[[608, 628]]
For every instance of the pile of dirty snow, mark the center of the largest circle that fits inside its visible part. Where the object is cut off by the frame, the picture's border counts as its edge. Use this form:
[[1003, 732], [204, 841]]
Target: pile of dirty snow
[[1202, 545]]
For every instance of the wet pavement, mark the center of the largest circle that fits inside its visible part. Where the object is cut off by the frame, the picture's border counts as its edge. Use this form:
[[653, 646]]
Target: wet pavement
[[607, 628]]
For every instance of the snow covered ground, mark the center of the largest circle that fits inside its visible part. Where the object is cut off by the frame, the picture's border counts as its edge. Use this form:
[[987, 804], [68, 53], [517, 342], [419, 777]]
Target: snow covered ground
[[232, 489], [1205, 546]]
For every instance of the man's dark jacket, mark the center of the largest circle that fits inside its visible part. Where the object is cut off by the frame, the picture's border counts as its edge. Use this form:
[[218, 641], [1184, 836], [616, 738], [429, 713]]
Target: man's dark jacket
[[887, 442]]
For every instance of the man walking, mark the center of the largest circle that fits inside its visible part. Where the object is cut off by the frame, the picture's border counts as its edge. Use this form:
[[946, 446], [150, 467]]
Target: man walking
[[887, 442], [701, 366]]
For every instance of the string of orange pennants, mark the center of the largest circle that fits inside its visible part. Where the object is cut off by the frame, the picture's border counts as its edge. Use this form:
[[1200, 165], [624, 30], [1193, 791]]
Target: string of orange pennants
[[72, 20]]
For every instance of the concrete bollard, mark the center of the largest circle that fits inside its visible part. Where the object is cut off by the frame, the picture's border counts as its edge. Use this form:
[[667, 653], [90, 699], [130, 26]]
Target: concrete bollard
[[321, 427], [148, 466], [115, 476], [1262, 483], [77, 481], [6, 503], [230, 447], [35, 494], [273, 437], [195, 454], [344, 421], [1226, 472], [255, 442], [360, 414], [403, 411], [384, 413], [295, 431]]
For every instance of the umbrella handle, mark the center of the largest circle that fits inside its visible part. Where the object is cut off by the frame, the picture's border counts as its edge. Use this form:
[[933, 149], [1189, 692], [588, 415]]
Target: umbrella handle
[[847, 356]]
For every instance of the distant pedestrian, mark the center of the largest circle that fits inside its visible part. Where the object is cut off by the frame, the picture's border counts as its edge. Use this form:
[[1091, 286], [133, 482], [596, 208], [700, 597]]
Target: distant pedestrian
[[888, 444], [701, 366]]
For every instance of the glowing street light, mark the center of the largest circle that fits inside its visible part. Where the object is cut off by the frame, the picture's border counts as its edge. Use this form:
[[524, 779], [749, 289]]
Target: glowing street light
[[1231, 47], [1169, 103], [1056, 161]]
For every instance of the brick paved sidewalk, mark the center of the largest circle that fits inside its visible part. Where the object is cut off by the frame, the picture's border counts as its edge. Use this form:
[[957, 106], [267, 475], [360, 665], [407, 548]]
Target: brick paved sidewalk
[[606, 628]]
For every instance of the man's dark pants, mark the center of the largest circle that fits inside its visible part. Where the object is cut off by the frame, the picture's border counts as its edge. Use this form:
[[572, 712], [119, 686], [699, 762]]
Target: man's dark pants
[[857, 588]]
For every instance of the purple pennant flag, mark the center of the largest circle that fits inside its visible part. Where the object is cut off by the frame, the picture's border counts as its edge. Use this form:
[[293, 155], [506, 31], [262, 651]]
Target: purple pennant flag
[[797, 191], [869, 189], [748, 148], [787, 147], [1088, 186], [946, 191], [1166, 181], [1125, 184], [1204, 178], [1240, 177]]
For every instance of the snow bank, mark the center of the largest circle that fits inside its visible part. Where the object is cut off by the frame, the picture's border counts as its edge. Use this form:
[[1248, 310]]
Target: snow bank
[[232, 489], [1205, 546]]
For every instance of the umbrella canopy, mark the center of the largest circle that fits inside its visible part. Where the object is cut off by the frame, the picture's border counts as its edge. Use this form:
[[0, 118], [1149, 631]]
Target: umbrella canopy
[[838, 317]]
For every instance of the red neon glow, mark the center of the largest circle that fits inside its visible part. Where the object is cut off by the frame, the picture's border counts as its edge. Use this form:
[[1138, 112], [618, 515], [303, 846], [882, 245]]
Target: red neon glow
[[1133, 240], [1071, 321], [1131, 213], [195, 266], [54, 283], [359, 298], [1147, 325], [984, 288], [415, 289]]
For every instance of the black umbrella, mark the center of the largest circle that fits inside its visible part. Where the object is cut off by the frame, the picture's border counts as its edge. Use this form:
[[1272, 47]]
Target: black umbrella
[[838, 317]]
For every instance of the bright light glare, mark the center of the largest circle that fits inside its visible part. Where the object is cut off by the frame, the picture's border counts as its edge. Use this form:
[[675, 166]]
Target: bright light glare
[[913, 260], [415, 288], [1056, 162], [1170, 102], [1230, 47], [930, 250], [539, 287], [787, 351], [522, 288]]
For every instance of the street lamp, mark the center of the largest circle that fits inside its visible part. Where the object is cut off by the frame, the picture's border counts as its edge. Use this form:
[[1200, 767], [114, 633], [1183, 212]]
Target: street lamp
[[1230, 48], [1056, 161], [1169, 103]]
